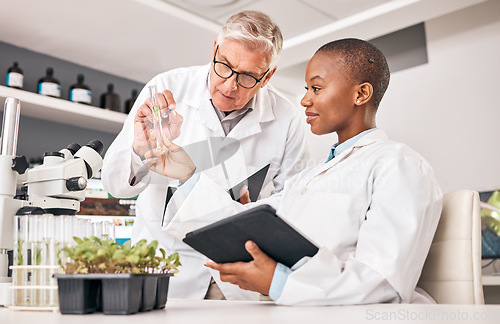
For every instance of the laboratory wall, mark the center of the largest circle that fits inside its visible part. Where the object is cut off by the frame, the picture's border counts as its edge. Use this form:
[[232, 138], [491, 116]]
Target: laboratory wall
[[448, 109]]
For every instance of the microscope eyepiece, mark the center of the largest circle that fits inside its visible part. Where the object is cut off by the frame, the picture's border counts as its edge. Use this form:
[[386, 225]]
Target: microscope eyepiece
[[91, 155], [97, 146], [73, 148], [58, 154]]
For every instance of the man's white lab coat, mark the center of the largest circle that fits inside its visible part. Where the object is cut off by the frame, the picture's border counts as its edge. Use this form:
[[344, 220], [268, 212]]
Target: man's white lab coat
[[272, 133], [372, 211]]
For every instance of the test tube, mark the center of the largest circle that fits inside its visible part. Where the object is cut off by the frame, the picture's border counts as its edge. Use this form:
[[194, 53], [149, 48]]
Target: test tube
[[97, 229], [47, 233], [89, 229], [155, 108], [20, 274], [108, 230], [67, 232], [79, 228], [61, 232], [38, 257]]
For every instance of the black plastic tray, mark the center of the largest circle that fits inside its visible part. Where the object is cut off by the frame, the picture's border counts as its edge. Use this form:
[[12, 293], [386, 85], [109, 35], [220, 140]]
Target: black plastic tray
[[113, 293]]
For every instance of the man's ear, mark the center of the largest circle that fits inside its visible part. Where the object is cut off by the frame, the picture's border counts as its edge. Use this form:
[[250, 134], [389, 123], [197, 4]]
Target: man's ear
[[215, 47], [267, 77], [363, 94]]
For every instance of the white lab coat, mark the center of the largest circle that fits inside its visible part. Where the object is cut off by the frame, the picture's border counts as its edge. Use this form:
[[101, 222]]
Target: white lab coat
[[372, 211], [271, 134]]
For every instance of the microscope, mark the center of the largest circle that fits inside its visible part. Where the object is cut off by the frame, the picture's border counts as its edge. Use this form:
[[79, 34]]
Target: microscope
[[57, 186]]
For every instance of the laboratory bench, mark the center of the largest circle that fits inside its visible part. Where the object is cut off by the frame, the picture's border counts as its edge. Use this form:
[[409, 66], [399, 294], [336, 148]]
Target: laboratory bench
[[247, 312]]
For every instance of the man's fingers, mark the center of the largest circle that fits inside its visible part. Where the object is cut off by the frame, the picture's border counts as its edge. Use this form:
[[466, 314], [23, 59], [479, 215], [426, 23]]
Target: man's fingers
[[154, 153], [143, 110], [167, 100], [244, 195], [151, 162], [243, 190], [175, 118], [168, 144]]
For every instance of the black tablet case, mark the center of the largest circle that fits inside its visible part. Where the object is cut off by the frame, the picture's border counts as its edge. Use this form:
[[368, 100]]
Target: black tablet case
[[224, 241]]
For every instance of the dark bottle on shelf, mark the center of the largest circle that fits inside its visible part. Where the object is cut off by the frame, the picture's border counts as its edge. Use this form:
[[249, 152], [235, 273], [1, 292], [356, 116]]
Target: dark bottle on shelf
[[15, 77], [48, 85], [130, 102], [79, 92], [110, 100]]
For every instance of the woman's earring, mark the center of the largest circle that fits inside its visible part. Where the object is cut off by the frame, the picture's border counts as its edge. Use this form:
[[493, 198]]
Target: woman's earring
[[357, 101]]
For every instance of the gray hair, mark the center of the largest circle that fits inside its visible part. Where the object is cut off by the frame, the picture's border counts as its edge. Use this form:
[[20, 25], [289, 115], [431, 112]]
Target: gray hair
[[257, 31]]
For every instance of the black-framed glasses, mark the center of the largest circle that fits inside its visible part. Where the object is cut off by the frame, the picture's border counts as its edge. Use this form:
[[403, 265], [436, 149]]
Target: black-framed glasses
[[225, 71]]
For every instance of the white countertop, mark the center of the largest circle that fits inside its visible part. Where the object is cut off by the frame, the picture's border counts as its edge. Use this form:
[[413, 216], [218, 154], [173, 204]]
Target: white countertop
[[242, 312]]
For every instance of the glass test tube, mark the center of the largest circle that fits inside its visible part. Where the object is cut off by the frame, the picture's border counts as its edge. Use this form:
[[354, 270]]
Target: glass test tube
[[60, 234], [66, 230], [97, 229], [20, 276], [46, 244], [89, 228], [155, 107], [38, 257], [108, 230], [79, 228], [52, 245]]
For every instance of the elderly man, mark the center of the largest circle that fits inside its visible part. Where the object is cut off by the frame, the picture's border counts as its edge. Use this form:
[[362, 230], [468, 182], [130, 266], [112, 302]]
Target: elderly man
[[231, 122]]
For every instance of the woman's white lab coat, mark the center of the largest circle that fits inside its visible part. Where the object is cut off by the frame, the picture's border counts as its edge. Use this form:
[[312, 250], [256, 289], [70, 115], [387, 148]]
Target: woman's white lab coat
[[372, 210], [272, 133]]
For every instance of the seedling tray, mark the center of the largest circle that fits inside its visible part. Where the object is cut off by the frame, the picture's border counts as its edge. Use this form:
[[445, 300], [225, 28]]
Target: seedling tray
[[113, 293]]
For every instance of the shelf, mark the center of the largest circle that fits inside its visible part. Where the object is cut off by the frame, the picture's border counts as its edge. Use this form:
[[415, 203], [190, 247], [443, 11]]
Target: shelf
[[64, 111]]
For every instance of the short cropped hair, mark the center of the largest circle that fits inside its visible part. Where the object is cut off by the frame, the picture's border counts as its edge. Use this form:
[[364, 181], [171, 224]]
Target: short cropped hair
[[365, 63], [257, 31]]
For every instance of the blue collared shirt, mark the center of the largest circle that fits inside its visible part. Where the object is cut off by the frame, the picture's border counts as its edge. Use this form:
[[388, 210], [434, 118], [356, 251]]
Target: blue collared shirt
[[282, 272], [339, 148]]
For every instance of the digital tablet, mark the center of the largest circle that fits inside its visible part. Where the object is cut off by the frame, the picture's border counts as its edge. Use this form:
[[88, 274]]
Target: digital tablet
[[224, 241]]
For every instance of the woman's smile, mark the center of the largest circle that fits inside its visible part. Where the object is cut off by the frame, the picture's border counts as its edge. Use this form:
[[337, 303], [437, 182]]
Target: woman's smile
[[311, 117]]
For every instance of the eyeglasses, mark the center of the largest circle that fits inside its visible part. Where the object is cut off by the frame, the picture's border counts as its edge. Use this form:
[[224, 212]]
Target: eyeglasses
[[225, 71]]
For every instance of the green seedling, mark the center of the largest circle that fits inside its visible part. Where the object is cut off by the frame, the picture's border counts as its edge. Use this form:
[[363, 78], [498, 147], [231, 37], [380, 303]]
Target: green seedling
[[92, 255]]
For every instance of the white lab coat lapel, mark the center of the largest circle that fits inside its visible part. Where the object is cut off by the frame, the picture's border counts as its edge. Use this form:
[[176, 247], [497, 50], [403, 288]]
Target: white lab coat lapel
[[209, 118], [199, 100], [250, 124]]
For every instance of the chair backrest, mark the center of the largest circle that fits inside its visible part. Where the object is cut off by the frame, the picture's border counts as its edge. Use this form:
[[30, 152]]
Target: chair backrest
[[452, 270]]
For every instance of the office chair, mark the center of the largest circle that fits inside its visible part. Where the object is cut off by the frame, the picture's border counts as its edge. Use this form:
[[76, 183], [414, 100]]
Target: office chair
[[452, 270]]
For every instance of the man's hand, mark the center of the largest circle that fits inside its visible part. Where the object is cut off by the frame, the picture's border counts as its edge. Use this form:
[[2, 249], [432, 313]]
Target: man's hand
[[170, 160], [255, 275], [171, 123]]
